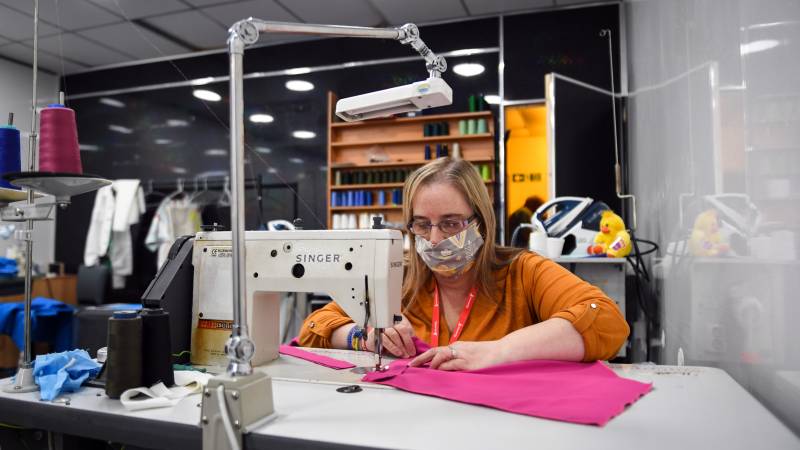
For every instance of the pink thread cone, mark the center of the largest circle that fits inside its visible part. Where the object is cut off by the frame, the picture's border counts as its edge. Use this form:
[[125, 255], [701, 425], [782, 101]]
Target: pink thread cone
[[58, 141]]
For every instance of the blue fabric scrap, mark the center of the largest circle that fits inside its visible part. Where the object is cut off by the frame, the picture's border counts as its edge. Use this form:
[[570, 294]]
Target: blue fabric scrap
[[51, 321], [56, 373]]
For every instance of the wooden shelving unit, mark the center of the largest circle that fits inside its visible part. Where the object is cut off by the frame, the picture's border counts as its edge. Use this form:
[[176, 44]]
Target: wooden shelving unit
[[388, 149]]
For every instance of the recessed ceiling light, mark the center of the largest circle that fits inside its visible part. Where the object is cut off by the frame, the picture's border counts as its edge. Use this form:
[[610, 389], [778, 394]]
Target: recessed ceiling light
[[177, 123], [112, 102], [263, 150], [758, 46], [216, 152], [492, 99], [163, 141], [304, 134], [179, 170], [89, 147], [468, 69], [465, 51], [296, 160], [272, 170], [298, 71], [120, 129], [299, 85], [261, 118], [201, 81], [204, 94]]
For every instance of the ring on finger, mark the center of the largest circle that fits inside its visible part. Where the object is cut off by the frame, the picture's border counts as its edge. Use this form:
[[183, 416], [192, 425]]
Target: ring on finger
[[452, 351]]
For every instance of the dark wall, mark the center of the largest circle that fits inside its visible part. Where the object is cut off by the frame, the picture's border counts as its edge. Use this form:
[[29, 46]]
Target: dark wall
[[568, 42]]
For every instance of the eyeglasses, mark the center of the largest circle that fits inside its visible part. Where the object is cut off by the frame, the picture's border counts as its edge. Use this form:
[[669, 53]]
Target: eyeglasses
[[448, 227]]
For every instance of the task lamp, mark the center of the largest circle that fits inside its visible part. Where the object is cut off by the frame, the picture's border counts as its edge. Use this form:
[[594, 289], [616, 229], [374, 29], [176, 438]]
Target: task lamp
[[242, 398]]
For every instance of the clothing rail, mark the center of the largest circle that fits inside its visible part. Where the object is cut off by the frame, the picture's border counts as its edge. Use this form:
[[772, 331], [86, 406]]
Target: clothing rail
[[218, 184]]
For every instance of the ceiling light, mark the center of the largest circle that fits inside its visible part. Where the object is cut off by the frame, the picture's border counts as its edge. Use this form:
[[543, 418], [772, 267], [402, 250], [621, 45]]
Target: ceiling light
[[216, 152], [112, 102], [263, 150], [492, 99], [163, 141], [304, 134], [468, 69], [120, 129], [465, 52], [272, 170], [177, 123], [299, 85], [88, 147], [298, 71], [296, 160], [261, 118], [204, 94], [179, 170], [758, 46], [201, 81]]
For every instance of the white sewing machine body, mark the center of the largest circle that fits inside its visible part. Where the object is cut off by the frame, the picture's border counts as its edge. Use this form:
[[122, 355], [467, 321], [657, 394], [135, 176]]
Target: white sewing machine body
[[362, 270]]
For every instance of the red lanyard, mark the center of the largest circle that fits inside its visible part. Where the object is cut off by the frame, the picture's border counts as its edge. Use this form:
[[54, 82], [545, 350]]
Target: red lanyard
[[462, 319]]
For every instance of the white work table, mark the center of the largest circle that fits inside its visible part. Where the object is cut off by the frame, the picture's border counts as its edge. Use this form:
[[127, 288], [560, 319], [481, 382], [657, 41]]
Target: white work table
[[689, 408]]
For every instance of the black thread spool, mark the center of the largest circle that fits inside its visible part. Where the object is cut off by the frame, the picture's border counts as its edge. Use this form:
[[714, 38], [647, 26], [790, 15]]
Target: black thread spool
[[156, 347], [124, 362]]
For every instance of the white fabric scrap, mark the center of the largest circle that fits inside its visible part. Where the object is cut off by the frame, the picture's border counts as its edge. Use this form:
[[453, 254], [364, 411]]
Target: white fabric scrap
[[187, 382]]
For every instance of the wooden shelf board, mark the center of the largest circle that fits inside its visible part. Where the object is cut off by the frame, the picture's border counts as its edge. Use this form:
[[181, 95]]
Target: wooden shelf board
[[364, 208], [398, 164], [342, 187], [437, 117], [421, 140], [366, 186]]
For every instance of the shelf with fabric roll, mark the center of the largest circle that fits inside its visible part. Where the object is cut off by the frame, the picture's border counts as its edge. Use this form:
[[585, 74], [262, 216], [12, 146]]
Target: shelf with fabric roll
[[367, 208], [418, 119], [342, 187], [369, 161], [415, 140]]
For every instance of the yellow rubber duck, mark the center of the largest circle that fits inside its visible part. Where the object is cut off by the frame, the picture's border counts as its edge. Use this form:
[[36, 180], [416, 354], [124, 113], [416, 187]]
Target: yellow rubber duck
[[706, 239], [612, 239]]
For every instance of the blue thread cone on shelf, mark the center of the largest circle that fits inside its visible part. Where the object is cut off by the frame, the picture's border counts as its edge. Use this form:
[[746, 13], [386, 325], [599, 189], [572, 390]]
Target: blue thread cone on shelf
[[9, 152]]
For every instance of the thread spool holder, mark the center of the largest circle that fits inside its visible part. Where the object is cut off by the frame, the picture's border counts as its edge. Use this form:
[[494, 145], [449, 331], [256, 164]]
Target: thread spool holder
[[62, 187]]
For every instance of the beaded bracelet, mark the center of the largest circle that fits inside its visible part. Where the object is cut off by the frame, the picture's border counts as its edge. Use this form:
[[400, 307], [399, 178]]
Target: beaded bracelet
[[351, 342], [359, 339]]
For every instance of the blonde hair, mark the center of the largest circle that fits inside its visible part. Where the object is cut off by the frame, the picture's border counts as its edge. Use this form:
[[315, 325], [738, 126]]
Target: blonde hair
[[463, 176]]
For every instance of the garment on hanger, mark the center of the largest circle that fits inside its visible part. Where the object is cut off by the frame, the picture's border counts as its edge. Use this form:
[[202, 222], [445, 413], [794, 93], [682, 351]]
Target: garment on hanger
[[116, 208], [99, 235], [175, 217]]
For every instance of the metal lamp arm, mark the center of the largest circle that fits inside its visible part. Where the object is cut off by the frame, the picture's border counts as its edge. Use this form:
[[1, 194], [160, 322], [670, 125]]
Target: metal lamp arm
[[239, 347], [248, 31]]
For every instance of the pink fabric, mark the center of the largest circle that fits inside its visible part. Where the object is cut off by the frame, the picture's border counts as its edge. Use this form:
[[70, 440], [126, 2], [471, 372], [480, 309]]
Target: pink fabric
[[587, 393], [316, 359]]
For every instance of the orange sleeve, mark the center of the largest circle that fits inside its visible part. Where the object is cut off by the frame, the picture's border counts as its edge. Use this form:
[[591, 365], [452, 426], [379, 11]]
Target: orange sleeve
[[319, 325], [557, 292]]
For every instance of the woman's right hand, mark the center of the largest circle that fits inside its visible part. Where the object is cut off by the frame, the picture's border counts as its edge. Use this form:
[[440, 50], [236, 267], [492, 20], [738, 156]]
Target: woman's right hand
[[396, 340]]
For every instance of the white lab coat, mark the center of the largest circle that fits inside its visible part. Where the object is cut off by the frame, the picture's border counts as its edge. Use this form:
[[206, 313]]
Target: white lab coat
[[116, 208]]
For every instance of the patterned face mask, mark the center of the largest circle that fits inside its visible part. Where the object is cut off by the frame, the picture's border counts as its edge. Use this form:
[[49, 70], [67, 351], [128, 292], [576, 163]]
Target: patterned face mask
[[454, 255]]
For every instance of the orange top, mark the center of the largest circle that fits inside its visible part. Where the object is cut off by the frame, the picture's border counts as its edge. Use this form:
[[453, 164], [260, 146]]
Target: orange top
[[530, 290]]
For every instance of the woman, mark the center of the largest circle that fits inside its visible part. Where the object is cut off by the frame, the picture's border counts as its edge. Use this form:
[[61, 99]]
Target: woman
[[478, 305]]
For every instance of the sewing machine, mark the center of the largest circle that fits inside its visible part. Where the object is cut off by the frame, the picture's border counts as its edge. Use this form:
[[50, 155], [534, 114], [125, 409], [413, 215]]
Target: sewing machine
[[362, 270]]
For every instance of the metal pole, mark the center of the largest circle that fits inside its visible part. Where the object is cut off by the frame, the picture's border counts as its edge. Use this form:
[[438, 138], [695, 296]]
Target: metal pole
[[32, 137], [239, 347]]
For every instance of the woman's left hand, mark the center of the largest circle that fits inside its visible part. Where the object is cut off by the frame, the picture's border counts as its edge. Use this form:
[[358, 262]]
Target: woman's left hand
[[461, 356]]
